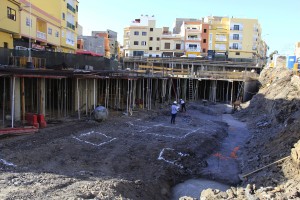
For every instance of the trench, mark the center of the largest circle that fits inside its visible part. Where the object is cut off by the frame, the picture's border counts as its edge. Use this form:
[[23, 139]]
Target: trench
[[223, 169]]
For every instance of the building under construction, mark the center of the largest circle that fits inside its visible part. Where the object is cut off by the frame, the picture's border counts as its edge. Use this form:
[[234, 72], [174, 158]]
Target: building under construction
[[138, 83]]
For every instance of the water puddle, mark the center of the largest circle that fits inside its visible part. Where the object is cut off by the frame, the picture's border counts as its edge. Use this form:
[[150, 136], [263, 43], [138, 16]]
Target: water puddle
[[194, 187]]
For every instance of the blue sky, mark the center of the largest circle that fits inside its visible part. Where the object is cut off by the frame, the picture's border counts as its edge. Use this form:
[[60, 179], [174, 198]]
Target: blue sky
[[280, 20]]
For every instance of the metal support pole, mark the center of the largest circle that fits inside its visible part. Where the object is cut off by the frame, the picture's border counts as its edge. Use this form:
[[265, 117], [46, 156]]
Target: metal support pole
[[78, 105], [3, 102], [94, 94], [13, 102]]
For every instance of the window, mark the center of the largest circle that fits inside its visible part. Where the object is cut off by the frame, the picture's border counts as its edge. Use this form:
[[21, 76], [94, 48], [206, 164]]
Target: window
[[157, 38], [28, 22], [77, 8], [178, 46], [236, 27], [205, 30], [237, 53], [236, 36], [5, 45], [167, 45], [204, 40], [136, 33], [151, 29], [76, 25], [150, 48], [235, 46], [50, 31], [151, 38], [63, 16], [157, 48], [136, 43], [143, 43], [144, 33], [57, 34], [11, 13], [204, 50]]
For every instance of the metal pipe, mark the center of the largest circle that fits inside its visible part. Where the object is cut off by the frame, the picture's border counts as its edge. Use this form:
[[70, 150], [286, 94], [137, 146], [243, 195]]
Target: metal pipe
[[86, 98], [3, 102], [94, 94]]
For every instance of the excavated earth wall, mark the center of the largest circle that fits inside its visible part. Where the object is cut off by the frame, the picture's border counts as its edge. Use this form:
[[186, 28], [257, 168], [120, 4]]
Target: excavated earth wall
[[273, 118]]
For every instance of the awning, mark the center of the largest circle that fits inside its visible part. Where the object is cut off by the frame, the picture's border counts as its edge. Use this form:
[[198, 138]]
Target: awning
[[86, 52]]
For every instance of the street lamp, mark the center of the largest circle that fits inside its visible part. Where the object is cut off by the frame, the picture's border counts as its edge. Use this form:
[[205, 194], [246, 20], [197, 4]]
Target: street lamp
[[29, 63]]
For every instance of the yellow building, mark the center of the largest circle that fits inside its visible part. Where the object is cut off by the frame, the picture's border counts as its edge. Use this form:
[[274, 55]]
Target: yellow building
[[47, 25], [218, 34], [9, 22], [245, 38]]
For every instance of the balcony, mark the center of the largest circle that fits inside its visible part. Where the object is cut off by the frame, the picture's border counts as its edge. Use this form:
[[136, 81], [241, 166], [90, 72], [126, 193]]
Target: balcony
[[41, 35], [71, 8], [193, 49], [70, 25], [235, 48], [194, 38]]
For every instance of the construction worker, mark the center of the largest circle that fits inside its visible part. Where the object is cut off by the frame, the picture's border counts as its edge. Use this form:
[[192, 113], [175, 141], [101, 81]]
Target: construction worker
[[174, 110], [182, 103]]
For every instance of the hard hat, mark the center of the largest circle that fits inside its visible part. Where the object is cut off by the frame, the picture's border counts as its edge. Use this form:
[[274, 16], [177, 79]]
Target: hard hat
[[175, 102]]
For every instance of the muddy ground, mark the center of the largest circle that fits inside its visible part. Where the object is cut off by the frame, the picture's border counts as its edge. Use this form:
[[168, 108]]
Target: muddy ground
[[125, 157]]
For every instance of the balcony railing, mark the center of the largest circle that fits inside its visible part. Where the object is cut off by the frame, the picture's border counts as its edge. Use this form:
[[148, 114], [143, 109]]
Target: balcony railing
[[70, 25], [237, 48], [71, 8], [193, 38], [193, 49], [41, 35]]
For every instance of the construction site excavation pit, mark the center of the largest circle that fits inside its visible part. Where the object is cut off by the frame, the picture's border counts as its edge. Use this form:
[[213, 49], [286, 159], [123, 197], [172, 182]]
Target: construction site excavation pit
[[142, 156]]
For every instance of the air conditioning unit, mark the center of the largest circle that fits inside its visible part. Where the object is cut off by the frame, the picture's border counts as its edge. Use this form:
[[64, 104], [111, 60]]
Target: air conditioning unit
[[20, 48]]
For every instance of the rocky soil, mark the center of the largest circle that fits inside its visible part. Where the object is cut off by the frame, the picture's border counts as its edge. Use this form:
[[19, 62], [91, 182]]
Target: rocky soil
[[273, 118], [125, 157]]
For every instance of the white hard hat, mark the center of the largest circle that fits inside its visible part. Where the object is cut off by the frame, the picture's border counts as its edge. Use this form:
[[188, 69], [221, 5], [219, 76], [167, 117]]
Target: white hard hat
[[175, 102]]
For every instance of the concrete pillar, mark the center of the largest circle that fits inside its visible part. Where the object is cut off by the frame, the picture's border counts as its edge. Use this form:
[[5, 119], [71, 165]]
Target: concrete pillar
[[43, 96], [17, 99]]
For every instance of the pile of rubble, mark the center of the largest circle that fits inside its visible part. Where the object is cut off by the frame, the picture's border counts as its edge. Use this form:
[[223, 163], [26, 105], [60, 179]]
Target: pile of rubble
[[273, 118]]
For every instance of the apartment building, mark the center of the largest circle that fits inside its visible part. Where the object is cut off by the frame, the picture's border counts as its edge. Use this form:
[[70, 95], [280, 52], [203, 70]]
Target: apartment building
[[9, 22], [178, 23], [218, 34], [69, 24], [171, 45], [192, 32], [40, 25], [245, 38], [235, 38], [142, 38]]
